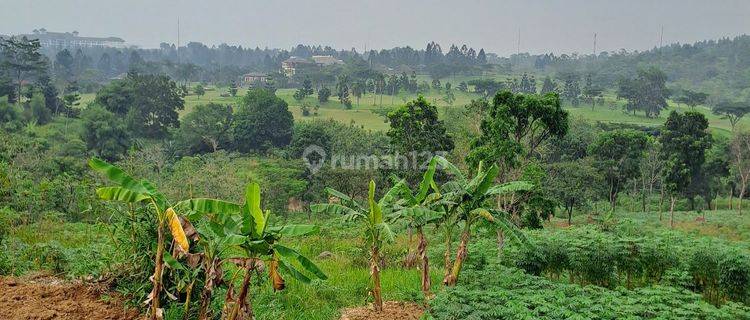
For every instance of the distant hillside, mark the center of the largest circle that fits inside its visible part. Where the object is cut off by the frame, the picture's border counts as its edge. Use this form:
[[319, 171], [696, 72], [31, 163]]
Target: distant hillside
[[718, 67]]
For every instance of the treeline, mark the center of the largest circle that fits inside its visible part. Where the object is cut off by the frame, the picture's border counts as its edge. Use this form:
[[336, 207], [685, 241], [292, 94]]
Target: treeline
[[224, 63], [717, 67]]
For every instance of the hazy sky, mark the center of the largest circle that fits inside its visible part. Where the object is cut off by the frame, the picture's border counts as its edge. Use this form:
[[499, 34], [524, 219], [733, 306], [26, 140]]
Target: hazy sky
[[545, 26]]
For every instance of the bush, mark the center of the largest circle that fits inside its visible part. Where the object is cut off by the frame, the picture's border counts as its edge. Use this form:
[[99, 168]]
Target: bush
[[506, 293], [718, 270], [50, 256]]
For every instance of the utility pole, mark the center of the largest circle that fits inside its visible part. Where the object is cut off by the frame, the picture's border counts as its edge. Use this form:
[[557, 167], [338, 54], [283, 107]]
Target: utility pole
[[594, 44], [661, 37], [178, 40], [518, 46]]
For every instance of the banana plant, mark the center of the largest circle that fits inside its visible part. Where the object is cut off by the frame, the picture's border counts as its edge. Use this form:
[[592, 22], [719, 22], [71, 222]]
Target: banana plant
[[377, 231], [246, 227], [129, 190], [419, 210], [468, 200], [214, 244]]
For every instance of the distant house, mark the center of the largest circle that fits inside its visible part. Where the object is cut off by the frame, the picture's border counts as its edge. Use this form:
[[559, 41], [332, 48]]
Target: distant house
[[324, 61], [72, 40], [253, 79], [289, 66]]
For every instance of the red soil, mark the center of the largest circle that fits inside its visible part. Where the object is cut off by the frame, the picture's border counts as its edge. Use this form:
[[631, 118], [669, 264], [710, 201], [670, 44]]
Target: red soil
[[392, 310], [47, 298]]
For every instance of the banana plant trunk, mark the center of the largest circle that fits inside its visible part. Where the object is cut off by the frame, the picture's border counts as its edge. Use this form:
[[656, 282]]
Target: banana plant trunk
[[158, 270], [188, 293], [207, 291], [243, 310], [461, 253], [447, 256], [375, 273], [205, 302], [422, 251]]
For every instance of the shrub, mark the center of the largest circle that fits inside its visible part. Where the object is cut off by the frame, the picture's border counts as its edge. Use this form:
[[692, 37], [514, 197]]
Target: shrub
[[50, 256]]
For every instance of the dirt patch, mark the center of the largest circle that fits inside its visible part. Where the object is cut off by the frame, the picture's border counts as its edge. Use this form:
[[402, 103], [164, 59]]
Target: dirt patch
[[48, 298], [392, 310]]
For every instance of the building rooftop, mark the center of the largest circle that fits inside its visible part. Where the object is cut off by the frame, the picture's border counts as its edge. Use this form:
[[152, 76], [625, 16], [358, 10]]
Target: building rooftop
[[297, 60], [327, 60], [47, 35]]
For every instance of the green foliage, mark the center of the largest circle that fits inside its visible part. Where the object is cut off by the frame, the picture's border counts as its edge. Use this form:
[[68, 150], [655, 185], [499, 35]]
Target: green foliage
[[36, 111], [199, 90], [731, 110], [648, 92], [572, 184], [310, 133], [300, 95], [205, 129], [415, 127], [618, 155], [21, 60], [104, 133], [10, 114], [637, 259], [691, 98], [149, 103], [502, 293], [684, 141], [323, 94], [233, 89], [515, 125], [262, 121]]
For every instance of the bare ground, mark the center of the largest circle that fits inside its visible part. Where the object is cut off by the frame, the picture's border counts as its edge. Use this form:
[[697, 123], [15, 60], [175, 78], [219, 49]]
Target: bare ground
[[392, 310], [39, 297]]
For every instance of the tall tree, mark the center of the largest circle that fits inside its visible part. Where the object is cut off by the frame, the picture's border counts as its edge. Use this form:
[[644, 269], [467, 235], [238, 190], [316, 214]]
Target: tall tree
[[733, 111], [21, 60], [741, 162], [548, 86], [691, 98], [591, 91], [199, 90], [307, 87], [105, 133], [323, 94], [618, 157], [233, 89], [481, 57], [205, 129], [148, 102], [357, 90], [572, 184], [571, 90], [262, 121], [515, 125], [415, 129], [684, 141], [64, 65], [647, 92]]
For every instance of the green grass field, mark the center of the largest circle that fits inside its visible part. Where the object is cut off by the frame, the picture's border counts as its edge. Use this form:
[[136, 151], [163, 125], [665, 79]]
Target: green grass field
[[364, 113]]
